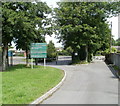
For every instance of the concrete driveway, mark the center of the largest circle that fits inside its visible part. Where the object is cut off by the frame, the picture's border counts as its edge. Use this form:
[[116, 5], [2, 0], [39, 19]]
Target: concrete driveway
[[86, 84]]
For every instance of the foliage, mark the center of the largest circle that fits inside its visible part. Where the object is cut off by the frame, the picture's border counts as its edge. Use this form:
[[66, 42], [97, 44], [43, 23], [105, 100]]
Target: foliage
[[51, 50], [113, 42], [83, 26], [99, 53], [24, 23], [117, 42], [114, 50], [116, 68], [23, 85], [107, 51], [118, 51], [66, 52]]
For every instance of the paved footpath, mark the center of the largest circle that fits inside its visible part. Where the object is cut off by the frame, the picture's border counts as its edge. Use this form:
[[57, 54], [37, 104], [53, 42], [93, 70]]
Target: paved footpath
[[86, 84]]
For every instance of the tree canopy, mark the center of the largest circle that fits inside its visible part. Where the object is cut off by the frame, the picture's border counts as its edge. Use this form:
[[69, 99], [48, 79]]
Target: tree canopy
[[83, 26], [24, 23], [117, 43], [51, 50]]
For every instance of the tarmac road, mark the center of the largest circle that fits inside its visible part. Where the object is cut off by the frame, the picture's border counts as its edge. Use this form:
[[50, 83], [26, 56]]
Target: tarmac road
[[86, 84]]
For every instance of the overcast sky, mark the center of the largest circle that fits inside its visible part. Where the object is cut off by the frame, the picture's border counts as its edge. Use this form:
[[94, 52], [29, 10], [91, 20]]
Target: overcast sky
[[114, 20]]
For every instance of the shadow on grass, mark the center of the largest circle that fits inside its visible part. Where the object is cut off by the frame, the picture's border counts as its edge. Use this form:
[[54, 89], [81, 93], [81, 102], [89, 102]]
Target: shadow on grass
[[15, 67], [21, 66]]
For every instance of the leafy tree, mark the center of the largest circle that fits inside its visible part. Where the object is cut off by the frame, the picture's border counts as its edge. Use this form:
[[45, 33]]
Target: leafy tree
[[24, 23], [83, 26], [33, 16], [51, 50], [113, 42], [117, 42], [66, 52], [7, 32], [107, 51]]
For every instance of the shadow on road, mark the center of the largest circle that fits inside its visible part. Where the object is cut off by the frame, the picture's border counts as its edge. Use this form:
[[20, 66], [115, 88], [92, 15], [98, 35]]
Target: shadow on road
[[113, 77]]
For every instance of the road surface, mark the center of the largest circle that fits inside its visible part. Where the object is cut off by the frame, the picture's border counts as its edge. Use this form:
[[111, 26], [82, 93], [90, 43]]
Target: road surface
[[86, 84]]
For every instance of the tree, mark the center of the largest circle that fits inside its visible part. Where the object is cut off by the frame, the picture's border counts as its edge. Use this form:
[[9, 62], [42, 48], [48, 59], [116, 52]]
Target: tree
[[33, 16], [51, 50], [7, 32], [66, 52], [83, 26], [113, 42], [24, 23], [117, 42]]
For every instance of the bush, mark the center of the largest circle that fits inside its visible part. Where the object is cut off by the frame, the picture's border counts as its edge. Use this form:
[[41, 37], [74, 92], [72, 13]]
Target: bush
[[66, 52], [114, 50], [107, 51], [98, 53], [118, 51]]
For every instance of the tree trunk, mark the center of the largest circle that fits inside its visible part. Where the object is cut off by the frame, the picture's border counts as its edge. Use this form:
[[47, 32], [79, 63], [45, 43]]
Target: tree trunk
[[91, 56], [73, 56], [7, 58], [4, 57], [1, 58], [27, 57], [86, 52], [36, 61]]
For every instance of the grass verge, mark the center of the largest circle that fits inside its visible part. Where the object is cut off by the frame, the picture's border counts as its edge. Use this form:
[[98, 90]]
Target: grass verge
[[22, 85], [117, 69], [78, 62]]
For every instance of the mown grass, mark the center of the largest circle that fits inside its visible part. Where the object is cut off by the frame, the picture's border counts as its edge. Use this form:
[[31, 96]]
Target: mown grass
[[22, 85]]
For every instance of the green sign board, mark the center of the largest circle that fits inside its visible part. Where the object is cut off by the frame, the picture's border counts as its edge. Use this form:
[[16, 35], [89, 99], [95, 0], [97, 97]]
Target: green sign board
[[38, 50]]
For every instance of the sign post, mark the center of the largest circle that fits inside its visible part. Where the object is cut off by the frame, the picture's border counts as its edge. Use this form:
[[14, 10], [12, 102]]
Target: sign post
[[44, 62], [38, 50], [32, 63]]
